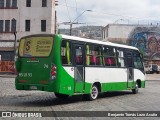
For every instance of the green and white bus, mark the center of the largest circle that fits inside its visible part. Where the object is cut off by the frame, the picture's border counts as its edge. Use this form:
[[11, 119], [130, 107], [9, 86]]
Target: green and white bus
[[68, 65]]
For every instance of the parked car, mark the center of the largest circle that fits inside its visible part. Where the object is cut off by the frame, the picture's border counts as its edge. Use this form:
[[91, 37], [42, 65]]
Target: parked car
[[152, 68]]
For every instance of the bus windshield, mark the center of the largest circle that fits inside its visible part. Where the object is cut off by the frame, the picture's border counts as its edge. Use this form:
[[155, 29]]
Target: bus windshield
[[35, 46]]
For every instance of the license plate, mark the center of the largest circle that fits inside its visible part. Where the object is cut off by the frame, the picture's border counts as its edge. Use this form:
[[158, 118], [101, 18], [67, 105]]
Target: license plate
[[33, 87]]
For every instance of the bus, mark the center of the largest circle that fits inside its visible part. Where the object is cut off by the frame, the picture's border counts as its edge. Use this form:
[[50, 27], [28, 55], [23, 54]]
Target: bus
[[68, 66]]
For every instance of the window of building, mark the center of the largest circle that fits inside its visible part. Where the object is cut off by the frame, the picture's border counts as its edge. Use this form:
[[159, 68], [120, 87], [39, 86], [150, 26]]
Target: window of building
[[109, 54], [14, 3], [1, 3], [13, 27], [93, 55], [44, 3], [66, 52], [28, 3], [8, 3], [1, 25], [43, 25], [120, 54], [27, 25], [7, 55], [7, 25]]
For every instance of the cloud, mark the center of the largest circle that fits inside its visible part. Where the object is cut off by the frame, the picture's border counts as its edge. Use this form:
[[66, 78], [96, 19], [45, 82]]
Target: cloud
[[108, 11]]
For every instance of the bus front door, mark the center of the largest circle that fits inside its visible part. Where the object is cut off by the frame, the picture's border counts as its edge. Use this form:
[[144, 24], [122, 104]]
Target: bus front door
[[79, 68], [130, 70], [130, 78]]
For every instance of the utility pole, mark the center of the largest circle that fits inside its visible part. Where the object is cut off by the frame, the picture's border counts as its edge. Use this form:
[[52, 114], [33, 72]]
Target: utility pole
[[55, 22], [73, 22]]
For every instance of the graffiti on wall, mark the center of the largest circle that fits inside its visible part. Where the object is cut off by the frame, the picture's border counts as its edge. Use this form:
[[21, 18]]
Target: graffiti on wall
[[147, 40], [7, 67]]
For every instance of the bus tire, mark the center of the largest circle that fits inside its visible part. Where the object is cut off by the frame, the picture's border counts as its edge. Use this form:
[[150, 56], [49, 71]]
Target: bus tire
[[135, 90], [93, 94], [61, 96]]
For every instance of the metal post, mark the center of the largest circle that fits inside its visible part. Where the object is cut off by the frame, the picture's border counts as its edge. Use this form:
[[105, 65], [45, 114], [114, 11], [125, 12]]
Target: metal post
[[15, 42], [76, 19], [70, 29]]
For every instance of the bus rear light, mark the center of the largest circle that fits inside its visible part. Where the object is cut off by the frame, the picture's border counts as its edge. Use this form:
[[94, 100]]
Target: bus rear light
[[53, 68], [53, 72], [22, 81], [53, 77], [33, 59]]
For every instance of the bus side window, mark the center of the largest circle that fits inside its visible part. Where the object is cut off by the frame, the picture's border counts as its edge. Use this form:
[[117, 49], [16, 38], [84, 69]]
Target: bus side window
[[137, 61], [129, 59], [109, 56], [98, 50], [120, 55], [87, 55], [93, 57], [90, 55], [65, 52], [79, 58]]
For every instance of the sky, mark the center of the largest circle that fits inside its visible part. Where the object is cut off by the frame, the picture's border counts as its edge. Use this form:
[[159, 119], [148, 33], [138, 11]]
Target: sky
[[105, 12]]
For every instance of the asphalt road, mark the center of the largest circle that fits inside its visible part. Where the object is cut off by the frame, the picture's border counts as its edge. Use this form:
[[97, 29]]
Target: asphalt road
[[148, 99]]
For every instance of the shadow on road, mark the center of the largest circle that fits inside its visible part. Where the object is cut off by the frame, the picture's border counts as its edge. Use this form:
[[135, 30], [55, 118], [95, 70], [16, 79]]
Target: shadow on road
[[38, 100]]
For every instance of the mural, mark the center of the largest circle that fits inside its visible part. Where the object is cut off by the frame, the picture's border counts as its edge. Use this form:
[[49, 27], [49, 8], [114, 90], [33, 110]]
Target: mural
[[7, 67], [147, 39]]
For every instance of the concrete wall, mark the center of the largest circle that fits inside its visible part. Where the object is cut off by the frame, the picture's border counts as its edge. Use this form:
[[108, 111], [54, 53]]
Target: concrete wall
[[36, 13], [8, 14]]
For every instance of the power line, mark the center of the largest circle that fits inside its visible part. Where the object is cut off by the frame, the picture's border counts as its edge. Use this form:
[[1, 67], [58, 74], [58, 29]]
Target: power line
[[68, 10], [111, 14], [76, 9]]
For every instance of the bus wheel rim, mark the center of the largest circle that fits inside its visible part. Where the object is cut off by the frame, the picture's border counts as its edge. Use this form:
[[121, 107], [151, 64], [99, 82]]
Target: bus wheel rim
[[136, 87], [94, 92]]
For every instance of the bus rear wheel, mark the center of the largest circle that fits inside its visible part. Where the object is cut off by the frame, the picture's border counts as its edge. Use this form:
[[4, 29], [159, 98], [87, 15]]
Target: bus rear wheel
[[93, 94], [62, 96], [135, 90]]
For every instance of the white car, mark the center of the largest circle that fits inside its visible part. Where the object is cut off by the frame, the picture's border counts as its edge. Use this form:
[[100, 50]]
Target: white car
[[152, 68]]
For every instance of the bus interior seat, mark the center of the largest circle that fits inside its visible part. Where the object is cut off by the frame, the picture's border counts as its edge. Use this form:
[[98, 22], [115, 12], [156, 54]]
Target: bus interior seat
[[92, 60], [64, 60], [79, 60]]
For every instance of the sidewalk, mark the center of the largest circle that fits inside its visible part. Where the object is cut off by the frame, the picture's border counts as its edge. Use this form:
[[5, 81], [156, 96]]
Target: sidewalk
[[155, 77]]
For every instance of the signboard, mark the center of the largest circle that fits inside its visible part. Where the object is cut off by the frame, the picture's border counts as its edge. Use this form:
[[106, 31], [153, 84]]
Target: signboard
[[36, 46]]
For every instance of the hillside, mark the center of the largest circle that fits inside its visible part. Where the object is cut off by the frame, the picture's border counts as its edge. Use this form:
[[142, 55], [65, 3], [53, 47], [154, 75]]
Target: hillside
[[92, 32]]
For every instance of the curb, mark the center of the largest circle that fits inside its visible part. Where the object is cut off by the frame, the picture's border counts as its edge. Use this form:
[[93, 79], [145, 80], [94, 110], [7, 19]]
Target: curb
[[8, 76], [152, 80]]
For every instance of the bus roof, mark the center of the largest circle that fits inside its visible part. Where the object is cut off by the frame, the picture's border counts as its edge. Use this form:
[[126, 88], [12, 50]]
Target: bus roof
[[98, 42], [86, 40]]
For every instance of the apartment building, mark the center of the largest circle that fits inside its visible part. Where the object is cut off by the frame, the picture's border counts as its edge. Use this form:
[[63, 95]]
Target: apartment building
[[23, 17]]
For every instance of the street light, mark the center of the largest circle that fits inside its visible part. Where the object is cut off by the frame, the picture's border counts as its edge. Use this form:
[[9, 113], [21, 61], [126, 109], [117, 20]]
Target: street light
[[71, 23]]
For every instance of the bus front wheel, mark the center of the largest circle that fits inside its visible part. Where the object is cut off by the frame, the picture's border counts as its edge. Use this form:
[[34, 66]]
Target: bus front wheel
[[135, 90], [93, 94], [62, 96]]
